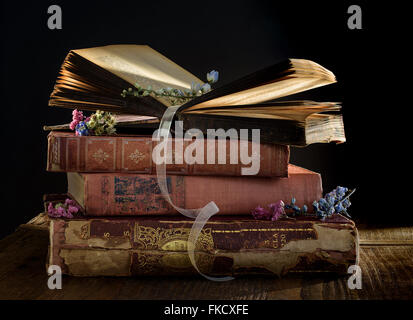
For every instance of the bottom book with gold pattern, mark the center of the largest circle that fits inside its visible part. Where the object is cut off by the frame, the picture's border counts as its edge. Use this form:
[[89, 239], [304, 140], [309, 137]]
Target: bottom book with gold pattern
[[227, 245]]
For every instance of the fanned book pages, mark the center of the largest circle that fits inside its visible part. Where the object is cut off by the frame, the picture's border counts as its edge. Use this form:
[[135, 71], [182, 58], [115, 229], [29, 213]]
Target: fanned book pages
[[94, 78]]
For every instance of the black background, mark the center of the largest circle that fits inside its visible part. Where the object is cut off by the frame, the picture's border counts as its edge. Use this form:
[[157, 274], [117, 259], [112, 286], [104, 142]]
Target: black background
[[235, 38]]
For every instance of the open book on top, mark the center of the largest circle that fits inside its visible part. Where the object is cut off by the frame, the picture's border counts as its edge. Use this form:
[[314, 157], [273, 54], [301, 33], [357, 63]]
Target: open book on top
[[94, 78]]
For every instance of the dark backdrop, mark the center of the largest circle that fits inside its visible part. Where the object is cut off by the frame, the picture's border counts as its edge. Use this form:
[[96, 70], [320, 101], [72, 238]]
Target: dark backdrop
[[233, 37]]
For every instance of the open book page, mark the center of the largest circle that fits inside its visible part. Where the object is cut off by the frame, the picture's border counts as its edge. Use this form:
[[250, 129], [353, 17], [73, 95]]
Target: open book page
[[303, 75], [140, 64], [264, 93]]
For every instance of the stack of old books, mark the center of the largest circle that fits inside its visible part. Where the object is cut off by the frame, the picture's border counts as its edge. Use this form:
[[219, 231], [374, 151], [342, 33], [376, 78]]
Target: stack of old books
[[125, 225]]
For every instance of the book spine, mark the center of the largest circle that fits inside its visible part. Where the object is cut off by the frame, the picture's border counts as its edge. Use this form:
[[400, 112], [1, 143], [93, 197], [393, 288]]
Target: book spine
[[70, 153], [99, 247], [128, 194]]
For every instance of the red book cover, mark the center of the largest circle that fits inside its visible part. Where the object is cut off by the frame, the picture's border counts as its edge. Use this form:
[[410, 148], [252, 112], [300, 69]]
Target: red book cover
[[133, 154], [130, 194]]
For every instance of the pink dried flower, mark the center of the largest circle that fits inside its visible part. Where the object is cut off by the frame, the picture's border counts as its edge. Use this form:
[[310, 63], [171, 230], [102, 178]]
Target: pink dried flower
[[73, 124], [77, 115]]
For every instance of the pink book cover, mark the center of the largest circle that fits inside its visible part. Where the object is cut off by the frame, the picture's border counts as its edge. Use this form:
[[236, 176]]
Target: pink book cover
[[130, 194]]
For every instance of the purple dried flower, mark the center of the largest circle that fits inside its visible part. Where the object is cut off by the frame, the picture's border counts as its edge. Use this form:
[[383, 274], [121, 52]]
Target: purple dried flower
[[66, 209], [70, 202], [61, 211], [260, 213], [67, 214], [277, 210], [72, 209], [51, 210]]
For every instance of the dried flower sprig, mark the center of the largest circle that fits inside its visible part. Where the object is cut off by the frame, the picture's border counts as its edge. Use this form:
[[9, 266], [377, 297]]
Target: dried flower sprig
[[296, 210], [102, 123], [175, 96], [275, 211], [79, 123], [98, 124], [336, 201], [65, 210]]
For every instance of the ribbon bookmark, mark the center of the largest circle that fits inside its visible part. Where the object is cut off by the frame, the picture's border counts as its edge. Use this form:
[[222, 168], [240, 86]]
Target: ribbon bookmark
[[201, 215]]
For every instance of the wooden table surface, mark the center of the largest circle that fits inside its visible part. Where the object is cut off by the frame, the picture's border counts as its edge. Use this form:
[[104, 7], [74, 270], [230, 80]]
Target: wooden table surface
[[386, 261]]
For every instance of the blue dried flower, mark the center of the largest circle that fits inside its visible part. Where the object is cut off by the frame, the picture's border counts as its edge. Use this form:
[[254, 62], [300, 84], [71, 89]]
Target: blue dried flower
[[206, 87], [346, 203], [339, 208], [321, 214], [81, 129], [325, 207], [212, 76], [331, 198], [195, 87], [174, 95], [341, 191], [330, 211], [323, 204]]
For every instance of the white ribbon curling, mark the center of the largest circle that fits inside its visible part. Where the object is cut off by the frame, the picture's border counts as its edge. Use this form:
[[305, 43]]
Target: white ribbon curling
[[201, 215]]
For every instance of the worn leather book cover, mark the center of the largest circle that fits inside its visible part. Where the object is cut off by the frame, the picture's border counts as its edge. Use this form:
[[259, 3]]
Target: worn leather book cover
[[127, 246], [131, 194], [133, 154]]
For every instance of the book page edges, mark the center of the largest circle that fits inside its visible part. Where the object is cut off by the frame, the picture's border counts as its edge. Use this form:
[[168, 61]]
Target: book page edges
[[76, 187], [265, 92]]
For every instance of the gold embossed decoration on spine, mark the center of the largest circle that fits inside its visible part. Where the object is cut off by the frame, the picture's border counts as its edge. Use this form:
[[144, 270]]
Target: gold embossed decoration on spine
[[174, 239]]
